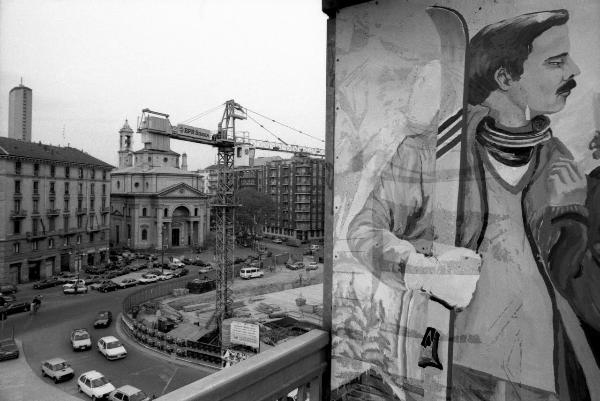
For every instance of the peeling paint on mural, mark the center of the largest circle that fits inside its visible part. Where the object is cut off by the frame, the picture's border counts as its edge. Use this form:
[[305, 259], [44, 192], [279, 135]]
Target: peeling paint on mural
[[466, 197]]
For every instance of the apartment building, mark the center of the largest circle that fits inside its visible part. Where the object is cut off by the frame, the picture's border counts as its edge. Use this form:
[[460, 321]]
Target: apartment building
[[54, 209]]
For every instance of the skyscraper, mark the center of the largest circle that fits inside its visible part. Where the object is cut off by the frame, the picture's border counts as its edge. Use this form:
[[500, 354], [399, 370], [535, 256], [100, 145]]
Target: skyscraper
[[20, 99]]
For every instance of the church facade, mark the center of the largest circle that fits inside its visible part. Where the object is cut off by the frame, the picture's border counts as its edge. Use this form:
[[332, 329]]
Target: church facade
[[155, 202]]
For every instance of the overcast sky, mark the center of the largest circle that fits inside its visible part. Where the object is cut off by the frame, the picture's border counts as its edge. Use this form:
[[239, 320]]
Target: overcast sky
[[91, 64]]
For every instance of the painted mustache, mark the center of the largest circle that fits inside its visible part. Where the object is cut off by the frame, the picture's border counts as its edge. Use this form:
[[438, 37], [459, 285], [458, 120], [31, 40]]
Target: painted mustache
[[566, 87]]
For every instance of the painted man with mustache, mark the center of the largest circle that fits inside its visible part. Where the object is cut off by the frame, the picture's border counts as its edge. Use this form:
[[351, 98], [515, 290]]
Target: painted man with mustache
[[528, 331], [522, 206]]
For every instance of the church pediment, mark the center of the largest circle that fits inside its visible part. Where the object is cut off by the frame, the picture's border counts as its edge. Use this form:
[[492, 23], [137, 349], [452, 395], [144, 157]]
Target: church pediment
[[180, 190]]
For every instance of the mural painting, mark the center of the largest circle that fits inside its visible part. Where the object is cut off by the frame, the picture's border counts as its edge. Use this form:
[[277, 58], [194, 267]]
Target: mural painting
[[466, 198]]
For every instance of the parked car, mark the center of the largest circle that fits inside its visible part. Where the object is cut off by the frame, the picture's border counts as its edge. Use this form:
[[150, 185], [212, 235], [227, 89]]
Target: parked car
[[81, 339], [66, 276], [17, 306], [103, 319], [206, 269], [7, 299], [75, 288], [166, 276], [295, 265], [312, 266], [8, 289], [47, 283], [8, 349], [128, 393], [176, 264], [95, 286], [57, 369], [94, 278], [148, 278], [180, 272], [107, 286], [277, 241], [94, 385], [127, 282], [111, 348]]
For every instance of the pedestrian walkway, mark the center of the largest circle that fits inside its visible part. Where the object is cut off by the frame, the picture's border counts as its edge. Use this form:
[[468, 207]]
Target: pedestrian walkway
[[19, 383]]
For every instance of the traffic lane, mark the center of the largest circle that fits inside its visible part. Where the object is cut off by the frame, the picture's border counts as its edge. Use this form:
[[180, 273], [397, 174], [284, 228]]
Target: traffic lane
[[46, 335]]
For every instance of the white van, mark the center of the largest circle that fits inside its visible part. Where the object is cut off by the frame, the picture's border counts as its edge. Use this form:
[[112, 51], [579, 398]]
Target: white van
[[251, 272]]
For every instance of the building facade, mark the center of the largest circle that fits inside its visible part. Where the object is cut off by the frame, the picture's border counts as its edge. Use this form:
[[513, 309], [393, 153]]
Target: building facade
[[156, 202], [20, 100], [296, 186], [54, 209]]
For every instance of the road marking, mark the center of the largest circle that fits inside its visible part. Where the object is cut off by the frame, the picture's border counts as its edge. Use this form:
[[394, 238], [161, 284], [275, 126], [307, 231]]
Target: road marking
[[169, 381]]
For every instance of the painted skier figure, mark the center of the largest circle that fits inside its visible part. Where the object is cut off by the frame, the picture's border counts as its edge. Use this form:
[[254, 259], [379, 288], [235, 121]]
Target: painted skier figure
[[522, 207]]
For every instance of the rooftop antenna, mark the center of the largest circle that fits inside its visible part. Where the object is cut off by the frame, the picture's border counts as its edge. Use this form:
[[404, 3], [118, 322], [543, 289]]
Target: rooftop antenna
[[21, 81]]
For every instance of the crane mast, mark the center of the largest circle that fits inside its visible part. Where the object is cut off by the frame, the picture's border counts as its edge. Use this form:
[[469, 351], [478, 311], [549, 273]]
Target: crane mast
[[224, 209]]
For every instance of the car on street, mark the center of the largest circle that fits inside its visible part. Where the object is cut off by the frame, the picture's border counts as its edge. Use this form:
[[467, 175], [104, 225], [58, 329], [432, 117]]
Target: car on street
[[127, 282], [128, 393], [17, 306], [251, 272], [8, 349], [103, 319], [95, 385], [180, 272], [277, 241], [66, 276], [176, 264], [148, 278], [47, 283], [206, 269], [95, 286], [93, 279], [166, 276], [57, 369], [111, 348], [107, 286], [71, 288], [7, 299], [295, 265], [8, 289], [81, 339], [312, 266]]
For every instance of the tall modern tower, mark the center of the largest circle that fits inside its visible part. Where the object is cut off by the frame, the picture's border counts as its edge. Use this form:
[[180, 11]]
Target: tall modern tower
[[20, 99]]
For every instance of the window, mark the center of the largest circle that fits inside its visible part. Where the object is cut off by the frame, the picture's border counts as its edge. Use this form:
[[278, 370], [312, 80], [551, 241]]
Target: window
[[144, 235], [52, 171], [166, 159], [67, 241], [196, 211], [17, 187], [149, 159], [91, 237], [118, 184], [80, 188], [36, 205], [92, 204], [128, 231], [17, 205], [144, 212], [17, 167], [103, 219], [166, 212], [66, 223], [52, 203], [52, 191], [50, 243], [78, 239], [34, 245], [67, 172], [137, 184], [103, 203], [80, 172], [36, 169], [79, 204], [34, 226], [104, 174], [36, 187], [93, 174], [16, 247], [16, 226], [52, 223], [66, 204], [66, 188], [103, 189], [79, 221]]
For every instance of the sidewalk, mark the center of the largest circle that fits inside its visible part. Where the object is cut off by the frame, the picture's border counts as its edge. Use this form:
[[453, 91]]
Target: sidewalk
[[19, 383]]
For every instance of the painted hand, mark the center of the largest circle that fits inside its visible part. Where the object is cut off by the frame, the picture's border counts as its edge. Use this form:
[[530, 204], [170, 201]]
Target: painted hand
[[566, 184]]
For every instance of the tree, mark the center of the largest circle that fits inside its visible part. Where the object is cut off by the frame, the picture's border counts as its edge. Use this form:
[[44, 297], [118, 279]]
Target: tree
[[254, 210]]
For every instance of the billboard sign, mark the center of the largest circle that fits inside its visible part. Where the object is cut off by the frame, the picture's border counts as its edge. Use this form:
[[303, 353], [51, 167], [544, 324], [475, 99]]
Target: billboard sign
[[245, 334], [188, 130]]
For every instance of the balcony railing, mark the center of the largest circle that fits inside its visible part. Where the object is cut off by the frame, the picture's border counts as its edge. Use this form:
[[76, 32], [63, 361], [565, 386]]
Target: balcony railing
[[296, 364], [81, 210], [104, 209], [18, 214], [52, 212]]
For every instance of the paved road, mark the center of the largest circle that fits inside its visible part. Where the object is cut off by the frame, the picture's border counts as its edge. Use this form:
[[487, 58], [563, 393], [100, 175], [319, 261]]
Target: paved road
[[46, 335]]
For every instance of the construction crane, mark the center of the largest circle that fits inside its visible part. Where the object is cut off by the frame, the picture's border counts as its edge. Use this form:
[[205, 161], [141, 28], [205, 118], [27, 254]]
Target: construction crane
[[225, 140]]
